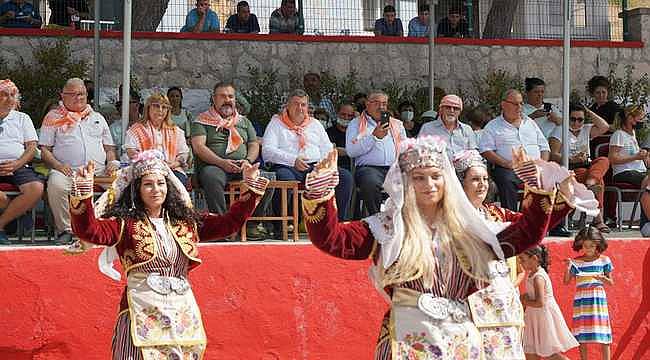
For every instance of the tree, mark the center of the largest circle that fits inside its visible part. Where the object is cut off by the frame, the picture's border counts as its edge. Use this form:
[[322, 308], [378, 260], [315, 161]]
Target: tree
[[146, 15], [499, 19]]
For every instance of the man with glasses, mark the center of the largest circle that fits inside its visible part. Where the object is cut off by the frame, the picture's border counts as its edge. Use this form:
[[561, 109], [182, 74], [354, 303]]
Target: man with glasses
[[372, 140], [457, 135], [511, 130], [72, 135]]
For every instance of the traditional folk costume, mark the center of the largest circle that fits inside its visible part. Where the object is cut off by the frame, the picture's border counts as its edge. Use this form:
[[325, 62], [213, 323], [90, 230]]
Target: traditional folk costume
[[159, 317], [460, 316]]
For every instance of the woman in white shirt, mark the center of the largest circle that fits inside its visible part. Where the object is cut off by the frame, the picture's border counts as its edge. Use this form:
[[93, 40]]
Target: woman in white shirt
[[627, 158]]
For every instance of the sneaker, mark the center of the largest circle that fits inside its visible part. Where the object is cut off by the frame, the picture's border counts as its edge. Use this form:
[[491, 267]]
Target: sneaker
[[64, 238], [4, 240], [560, 231], [255, 231]]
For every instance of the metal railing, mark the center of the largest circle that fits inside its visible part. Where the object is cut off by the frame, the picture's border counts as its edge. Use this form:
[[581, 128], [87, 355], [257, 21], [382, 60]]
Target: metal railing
[[525, 19]]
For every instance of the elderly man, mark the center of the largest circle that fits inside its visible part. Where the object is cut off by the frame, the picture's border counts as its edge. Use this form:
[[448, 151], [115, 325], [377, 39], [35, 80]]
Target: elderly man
[[390, 24], [286, 19], [71, 136], [509, 131], [223, 140], [243, 22], [372, 140], [457, 135], [17, 148], [294, 142], [19, 14], [201, 19]]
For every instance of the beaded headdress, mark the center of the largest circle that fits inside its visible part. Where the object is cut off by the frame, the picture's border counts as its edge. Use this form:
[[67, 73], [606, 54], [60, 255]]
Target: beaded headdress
[[427, 151], [467, 159], [149, 162]]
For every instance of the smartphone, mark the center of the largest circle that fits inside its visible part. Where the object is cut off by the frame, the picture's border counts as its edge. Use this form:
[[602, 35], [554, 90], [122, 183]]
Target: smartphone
[[548, 107], [385, 116]]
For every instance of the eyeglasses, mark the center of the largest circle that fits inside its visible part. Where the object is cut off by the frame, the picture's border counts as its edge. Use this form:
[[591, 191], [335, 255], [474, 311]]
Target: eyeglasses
[[577, 119], [384, 103], [74, 94], [514, 103], [159, 106], [453, 108]]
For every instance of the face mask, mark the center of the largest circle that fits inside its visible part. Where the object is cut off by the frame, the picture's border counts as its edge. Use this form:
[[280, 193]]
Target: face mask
[[407, 115], [343, 122]]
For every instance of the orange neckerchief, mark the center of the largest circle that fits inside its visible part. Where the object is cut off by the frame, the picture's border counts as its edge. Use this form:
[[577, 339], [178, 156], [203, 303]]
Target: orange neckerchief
[[298, 129], [213, 118], [65, 119], [394, 130], [146, 135]]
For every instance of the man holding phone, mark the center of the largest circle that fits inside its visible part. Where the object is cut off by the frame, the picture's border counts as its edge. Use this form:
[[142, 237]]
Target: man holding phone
[[372, 140]]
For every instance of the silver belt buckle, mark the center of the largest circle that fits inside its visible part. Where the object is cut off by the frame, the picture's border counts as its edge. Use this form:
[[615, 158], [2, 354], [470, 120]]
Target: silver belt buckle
[[179, 285], [436, 307], [159, 284]]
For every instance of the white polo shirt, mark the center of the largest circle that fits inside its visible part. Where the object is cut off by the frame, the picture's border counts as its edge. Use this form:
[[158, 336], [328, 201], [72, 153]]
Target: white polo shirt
[[84, 142], [15, 130], [281, 145]]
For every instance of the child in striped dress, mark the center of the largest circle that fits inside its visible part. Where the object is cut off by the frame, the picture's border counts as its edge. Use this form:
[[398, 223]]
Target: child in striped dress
[[592, 271]]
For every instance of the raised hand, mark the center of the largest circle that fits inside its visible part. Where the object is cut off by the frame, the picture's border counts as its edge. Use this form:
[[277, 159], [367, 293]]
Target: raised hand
[[250, 171], [324, 178], [82, 180]]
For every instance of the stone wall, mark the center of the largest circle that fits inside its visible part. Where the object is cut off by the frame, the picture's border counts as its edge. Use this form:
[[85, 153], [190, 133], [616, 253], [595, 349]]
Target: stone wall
[[199, 64]]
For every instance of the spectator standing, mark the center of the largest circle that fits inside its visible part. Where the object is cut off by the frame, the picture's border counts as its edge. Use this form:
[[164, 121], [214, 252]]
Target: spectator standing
[[419, 25], [506, 132], [19, 14], [201, 19], [599, 88], [156, 131], [374, 146], [454, 25], [312, 84], [360, 100], [68, 12], [71, 136], [546, 115], [390, 24], [286, 19], [18, 141], [294, 142], [243, 22]]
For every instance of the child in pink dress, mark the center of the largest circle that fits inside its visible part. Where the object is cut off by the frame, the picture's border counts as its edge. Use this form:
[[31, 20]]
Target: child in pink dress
[[545, 332]]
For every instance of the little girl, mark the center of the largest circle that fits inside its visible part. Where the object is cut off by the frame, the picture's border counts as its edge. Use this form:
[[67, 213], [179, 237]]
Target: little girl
[[591, 270], [545, 333]]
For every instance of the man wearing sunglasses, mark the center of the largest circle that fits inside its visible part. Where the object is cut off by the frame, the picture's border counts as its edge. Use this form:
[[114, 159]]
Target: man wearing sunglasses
[[457, 135]]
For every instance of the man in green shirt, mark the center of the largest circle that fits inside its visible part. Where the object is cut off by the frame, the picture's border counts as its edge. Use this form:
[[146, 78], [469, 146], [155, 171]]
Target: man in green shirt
[[222, 141]]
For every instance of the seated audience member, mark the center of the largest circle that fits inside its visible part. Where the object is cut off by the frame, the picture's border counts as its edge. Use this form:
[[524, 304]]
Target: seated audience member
[[419, 25], [406, 110], [312, 85], [71, 136], [243, 22], [135, 108], [336, 132], [201, 19], [546, 115], [599, 87], [156, 131], [293, 142], [19, 14], [587, 171], [477, 118], [286, 19], [18, 141], [223, 140], [390, 24], [68, 12], [321, 115], [454, 25], [627, 158], [180, 115], [373, 143], [458, 136], [509, 131]]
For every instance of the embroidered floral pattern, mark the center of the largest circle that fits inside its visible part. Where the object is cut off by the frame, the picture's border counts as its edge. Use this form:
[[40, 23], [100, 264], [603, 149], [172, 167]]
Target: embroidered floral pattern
[[172, 352], [416, 346], [494, 308], [151, 323], [144, 241], [185, 238], [502, 343]]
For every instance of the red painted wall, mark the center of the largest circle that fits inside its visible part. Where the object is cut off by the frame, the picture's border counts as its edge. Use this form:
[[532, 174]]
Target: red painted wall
[[262, 302]]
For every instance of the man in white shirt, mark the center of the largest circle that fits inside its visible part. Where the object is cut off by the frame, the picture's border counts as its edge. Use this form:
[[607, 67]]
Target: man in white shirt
[[458, 136], [17, 148], [71, 136], [373, 143], [506, 132], [294, 142]]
